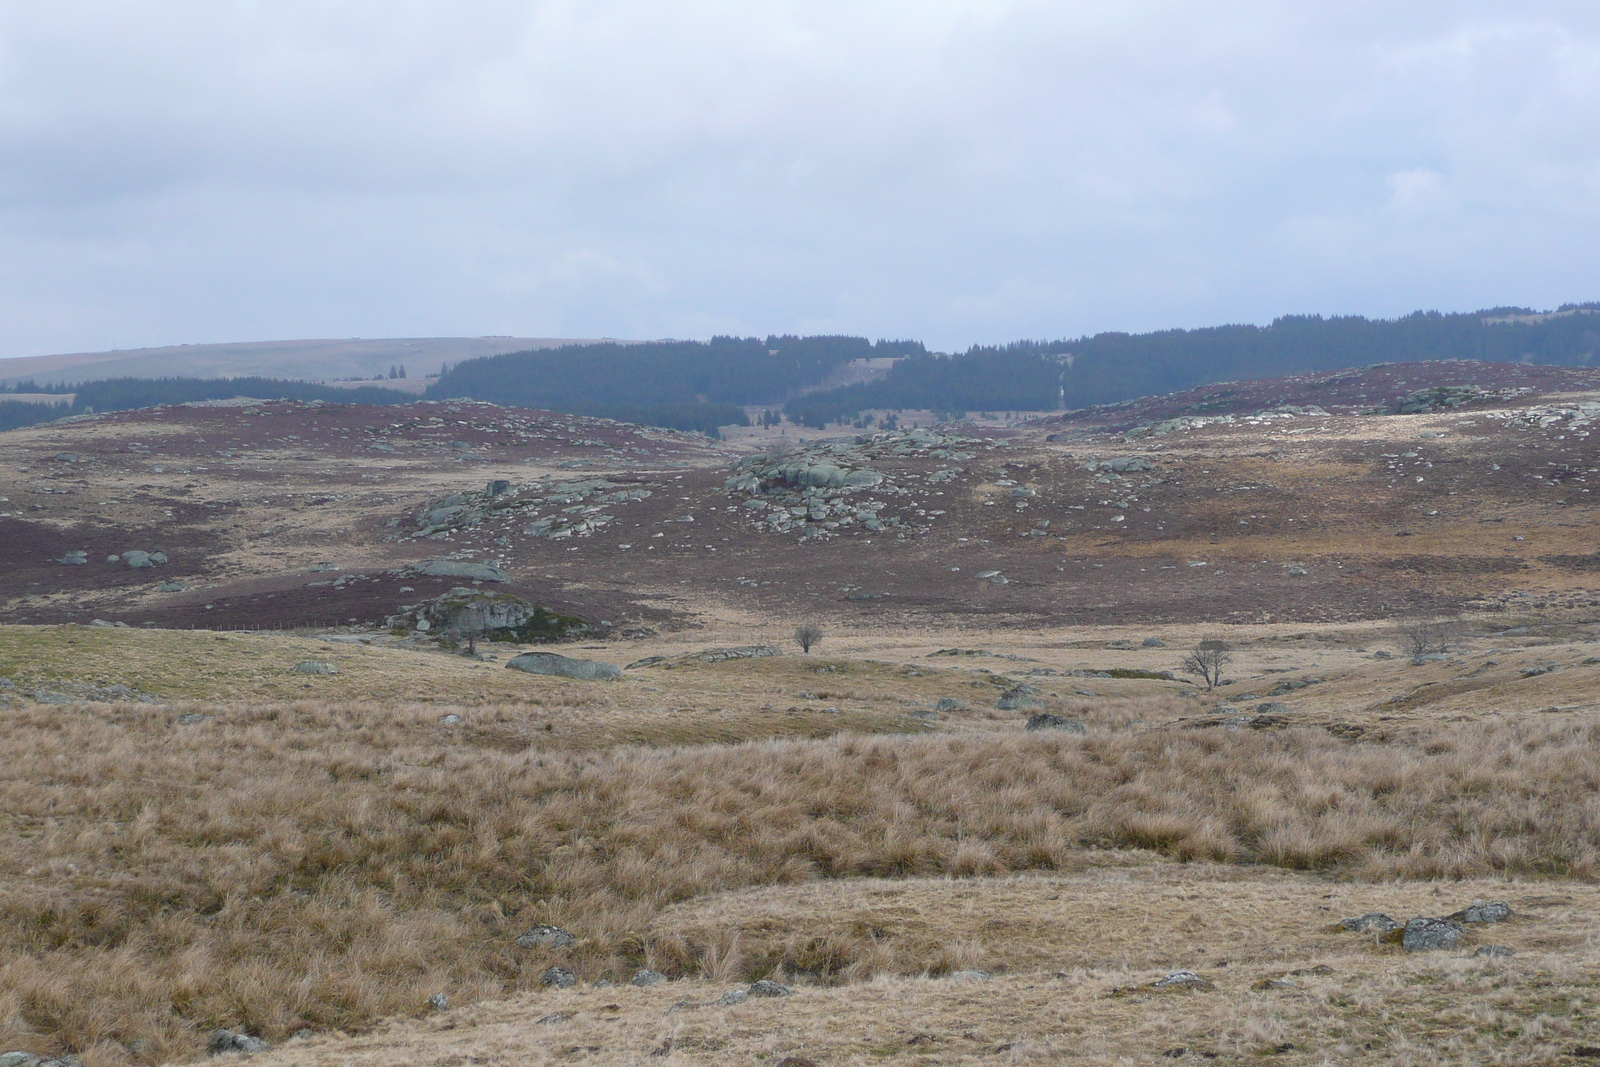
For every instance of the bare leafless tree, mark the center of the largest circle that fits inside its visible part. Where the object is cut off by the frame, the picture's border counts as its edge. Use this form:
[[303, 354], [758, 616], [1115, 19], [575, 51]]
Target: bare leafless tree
[[1419, 636], [806, 635], [1207, 659]]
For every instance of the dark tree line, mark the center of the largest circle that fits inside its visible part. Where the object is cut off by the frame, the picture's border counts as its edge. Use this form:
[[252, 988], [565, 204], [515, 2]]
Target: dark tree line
[[123, 394], [684, 385]]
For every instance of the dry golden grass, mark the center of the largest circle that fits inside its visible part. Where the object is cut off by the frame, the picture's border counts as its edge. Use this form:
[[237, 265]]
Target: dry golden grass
[[1065, 943], [322, 866]]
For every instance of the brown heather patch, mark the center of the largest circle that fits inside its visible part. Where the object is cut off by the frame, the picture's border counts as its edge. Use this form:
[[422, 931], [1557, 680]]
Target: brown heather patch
[[309, 865]]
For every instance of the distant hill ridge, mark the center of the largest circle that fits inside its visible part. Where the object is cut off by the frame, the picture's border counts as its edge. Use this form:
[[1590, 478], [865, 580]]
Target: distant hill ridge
[[696, 385], [314, 359]]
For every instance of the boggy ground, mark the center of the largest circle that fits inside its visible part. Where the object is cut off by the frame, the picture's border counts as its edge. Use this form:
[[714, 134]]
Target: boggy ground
[[261, 509], [272, 859]]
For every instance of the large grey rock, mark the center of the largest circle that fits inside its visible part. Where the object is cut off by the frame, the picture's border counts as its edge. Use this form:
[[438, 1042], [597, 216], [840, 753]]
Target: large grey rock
[[1017, 698], [766, 987], [545, 936], [453, 568], [863, 479], [223, 1041], [19, 1059], [1482, 911], [1369, 921], [558, 978], [584, 670], [1427, 935], [1045, 721]]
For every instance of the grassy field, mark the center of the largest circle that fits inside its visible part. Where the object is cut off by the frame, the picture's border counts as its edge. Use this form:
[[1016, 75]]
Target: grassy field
[[326, 860]]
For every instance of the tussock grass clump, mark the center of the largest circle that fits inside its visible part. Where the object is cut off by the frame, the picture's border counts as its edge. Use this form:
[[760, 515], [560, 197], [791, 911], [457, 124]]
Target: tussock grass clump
[[284, 867]]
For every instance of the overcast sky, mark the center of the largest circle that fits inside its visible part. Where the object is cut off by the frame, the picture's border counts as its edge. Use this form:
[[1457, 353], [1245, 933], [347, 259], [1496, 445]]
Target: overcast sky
[[952, 170]]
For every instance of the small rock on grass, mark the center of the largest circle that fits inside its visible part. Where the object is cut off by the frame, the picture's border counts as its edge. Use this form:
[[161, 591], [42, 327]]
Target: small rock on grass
[[1423, 934], [1176, 982], [552, 1019], [223, 1041], [1372, 920], [731, 997], [545, 935], [647, 977], [968, 976], [1182, 980], [439, 1002], [1268, 984], [1482, 911], [558, 978], [1494, 950]]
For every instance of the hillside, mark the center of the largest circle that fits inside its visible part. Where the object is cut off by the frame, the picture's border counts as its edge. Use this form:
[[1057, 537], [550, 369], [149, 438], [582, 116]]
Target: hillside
[[271, 775], [315, 360]]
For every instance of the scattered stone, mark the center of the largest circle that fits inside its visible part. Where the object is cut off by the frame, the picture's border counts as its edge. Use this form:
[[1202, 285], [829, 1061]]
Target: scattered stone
[[313, 666], [730, 998], [558, 978], [223, 1041], [188, 718], [173, 586], [586, 670], [950, 704], [648, 661], [1153, 642], [553, 1018], [1482, 911], [543, 936], [766, 987], [717, 655], [75, 558], [1272, 707], [450, 719], [1045, 721], [1426, 935], [1493, 950], [968, 975], [1370, 921], [647, 977], [439, 1002]]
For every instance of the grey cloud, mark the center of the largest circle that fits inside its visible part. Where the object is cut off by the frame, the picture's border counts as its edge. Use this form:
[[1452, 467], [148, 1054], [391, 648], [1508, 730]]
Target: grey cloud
[[959, 171]]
